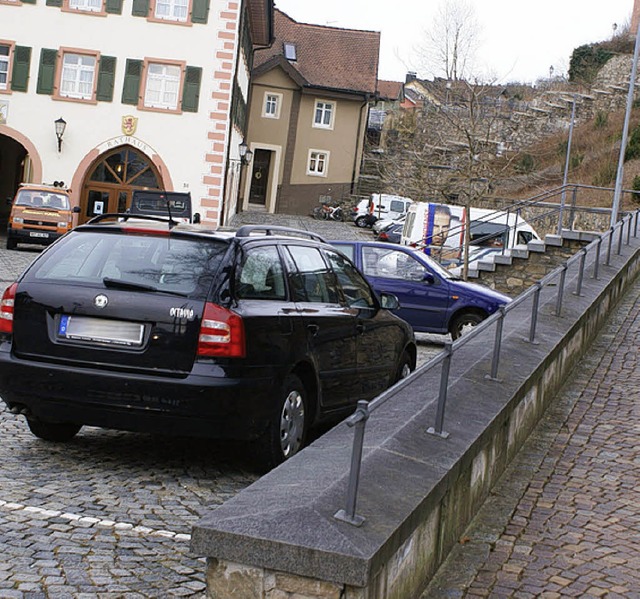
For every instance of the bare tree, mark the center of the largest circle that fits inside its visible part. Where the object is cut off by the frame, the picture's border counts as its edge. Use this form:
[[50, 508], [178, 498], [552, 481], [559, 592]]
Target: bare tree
[[451, 40]]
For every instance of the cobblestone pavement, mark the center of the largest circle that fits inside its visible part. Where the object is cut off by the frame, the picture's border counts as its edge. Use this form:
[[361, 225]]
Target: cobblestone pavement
[[109, 515], [564, 520]]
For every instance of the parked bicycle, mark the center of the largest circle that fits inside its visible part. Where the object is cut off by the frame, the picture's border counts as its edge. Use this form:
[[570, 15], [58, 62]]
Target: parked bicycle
[[328, 212]]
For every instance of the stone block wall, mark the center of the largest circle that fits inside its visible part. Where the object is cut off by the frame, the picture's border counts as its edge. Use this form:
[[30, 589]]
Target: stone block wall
[[524, 272]]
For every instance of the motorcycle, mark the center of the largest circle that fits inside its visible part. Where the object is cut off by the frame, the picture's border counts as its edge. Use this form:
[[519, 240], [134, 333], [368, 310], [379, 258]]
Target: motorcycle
[[328, 212]]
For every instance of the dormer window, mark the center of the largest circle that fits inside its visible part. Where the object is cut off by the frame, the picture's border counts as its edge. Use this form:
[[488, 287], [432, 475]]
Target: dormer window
[[290, 51]]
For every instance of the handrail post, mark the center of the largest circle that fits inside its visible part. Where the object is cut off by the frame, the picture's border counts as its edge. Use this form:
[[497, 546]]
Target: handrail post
[[596, 265], [583, 256], [621, 227], [349, 513], [534, 313], [442, 396], [608, 260], [572, 213], [563, 276], [497, 346], [628, 241], [635, 228]]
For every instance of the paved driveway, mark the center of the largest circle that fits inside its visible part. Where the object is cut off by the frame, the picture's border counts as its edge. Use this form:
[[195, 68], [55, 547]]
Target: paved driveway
[[110, 514]]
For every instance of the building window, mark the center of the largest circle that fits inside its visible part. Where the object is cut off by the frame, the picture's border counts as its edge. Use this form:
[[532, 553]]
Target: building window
[[272, 104], [86, 5], [290, 52], [172, 10], [323, 114], [5, 52], [78, 76], [318, 163], [162, 88]]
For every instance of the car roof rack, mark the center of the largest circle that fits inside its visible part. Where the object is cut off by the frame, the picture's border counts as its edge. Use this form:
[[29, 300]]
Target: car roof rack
[[247, 230], [124, 216]]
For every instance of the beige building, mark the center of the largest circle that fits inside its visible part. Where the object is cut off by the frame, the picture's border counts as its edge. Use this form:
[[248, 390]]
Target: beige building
[[309, 102]]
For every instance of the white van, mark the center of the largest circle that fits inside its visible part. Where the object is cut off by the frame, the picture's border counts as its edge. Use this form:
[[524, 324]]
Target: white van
[[427, 223], [380, 206]]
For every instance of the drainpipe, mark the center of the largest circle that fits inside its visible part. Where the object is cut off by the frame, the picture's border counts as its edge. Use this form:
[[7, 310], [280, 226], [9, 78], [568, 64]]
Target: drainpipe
[[368, 97]]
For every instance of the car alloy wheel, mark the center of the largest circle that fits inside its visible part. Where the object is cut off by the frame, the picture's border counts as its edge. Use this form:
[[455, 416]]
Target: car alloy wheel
[[292, 424]]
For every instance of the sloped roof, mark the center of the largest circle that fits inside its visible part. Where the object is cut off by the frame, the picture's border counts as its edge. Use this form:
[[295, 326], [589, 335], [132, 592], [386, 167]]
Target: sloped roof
[[326, 57], [390, 90], [261, 21]]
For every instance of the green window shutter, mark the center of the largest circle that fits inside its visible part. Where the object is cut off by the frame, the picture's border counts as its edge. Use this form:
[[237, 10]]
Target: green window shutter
[[140, 8], [57, 3], [114, 7], [131, 87], [46, 71], [191, 90], [28, 1], [20, 73], [106, 78], [200, 11]]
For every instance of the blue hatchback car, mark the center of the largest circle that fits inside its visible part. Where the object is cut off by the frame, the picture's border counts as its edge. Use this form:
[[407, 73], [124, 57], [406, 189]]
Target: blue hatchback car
[[432, 300]]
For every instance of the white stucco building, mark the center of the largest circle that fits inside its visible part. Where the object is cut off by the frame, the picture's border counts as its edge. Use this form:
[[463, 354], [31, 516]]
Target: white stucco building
[[153, 94]]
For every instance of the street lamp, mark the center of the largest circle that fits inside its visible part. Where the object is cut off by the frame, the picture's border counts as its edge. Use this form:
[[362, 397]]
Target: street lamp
[[245, 154], [61, 125]]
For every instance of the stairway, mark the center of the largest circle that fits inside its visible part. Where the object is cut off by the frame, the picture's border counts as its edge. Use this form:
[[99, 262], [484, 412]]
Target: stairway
[[515, 270]]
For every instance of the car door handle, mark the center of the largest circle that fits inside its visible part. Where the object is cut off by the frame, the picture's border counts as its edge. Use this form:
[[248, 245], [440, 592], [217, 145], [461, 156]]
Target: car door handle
[[313, 329]]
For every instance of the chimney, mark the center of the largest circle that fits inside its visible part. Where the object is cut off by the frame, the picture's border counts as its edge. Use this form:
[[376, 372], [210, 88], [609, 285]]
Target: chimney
[[411, 76]]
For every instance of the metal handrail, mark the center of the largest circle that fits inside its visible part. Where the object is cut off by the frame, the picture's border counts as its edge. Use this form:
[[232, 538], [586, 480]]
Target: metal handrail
[[359, 418]]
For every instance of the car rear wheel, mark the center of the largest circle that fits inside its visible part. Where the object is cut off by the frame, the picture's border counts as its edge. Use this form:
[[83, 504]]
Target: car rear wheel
[[464, 323], [287, 430], [53, 431], [361, 222]]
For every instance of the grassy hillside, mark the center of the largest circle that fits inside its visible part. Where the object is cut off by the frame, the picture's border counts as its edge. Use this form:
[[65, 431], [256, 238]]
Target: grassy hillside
[[593, 161]]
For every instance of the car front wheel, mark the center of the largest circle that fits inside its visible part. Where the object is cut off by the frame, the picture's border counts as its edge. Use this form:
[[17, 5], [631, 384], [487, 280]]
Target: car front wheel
[[405, 367], [287, 430], [53, 431], [464, 323], [11, 243]]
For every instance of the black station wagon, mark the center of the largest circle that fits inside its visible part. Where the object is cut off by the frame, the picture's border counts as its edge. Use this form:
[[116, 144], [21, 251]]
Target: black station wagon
[[137, 325]]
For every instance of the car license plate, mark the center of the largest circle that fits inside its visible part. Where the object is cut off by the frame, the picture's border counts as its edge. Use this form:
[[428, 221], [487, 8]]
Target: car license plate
[[38, 234], [101, 330]]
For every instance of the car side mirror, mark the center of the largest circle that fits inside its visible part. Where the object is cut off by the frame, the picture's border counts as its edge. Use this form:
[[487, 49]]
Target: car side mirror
[[9, 201], [76, 210], [389, 301], [429, 278]]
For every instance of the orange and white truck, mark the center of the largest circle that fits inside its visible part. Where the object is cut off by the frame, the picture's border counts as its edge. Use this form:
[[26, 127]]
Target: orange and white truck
[[39, 214]]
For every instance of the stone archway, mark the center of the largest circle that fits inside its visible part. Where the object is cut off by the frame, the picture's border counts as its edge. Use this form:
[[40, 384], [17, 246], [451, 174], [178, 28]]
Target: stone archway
[[111, 178], [19, 163]]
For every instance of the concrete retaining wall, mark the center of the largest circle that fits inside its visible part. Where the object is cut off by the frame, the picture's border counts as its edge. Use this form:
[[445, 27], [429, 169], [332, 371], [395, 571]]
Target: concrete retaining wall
[[279, 538]]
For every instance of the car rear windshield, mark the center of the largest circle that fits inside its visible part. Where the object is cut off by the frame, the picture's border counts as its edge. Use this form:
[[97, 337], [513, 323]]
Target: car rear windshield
[[180, 206], [170, 264]]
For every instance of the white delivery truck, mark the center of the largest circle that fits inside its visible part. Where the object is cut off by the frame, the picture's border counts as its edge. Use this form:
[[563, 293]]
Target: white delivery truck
[[440, 230], [380, 206]]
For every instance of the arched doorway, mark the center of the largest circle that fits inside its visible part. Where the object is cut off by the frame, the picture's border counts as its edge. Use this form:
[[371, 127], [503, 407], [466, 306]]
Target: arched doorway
[[111, 179], [15, 168]]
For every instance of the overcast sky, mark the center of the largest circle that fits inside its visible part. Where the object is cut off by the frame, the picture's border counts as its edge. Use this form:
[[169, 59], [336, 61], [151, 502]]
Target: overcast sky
[[517, 43]]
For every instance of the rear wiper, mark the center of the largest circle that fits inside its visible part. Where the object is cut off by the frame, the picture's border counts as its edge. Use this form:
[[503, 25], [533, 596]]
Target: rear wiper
[[121, 284]]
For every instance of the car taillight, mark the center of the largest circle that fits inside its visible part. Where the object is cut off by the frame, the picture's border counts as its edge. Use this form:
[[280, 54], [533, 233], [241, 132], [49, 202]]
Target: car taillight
[[383, 236], [221, 333], [6, 309]]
